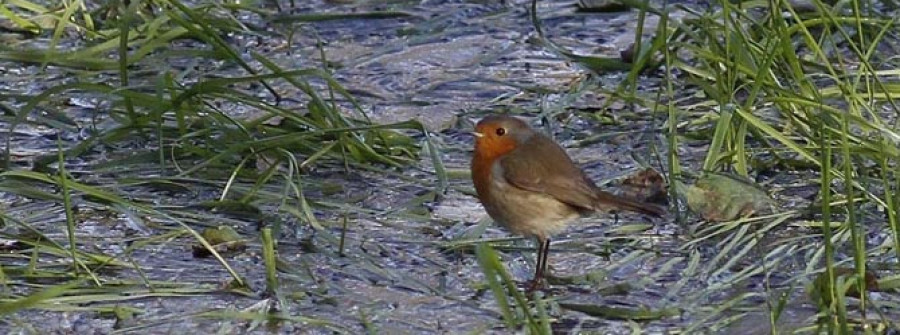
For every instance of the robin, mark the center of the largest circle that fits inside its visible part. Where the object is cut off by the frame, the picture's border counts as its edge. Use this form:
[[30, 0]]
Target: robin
[[529, 185]]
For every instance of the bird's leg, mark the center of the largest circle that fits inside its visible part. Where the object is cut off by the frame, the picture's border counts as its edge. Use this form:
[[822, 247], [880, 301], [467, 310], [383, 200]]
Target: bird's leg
[[546, 246], [541, 266]]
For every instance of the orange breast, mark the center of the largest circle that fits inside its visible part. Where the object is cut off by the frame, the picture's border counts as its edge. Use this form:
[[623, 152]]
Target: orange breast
[[481, 175]]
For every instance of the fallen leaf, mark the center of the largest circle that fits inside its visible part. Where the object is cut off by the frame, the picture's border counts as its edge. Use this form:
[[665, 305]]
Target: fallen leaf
[[646, 185], [721, 197]]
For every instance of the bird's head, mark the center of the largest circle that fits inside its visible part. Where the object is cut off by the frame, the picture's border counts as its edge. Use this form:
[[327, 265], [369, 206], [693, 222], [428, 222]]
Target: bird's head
[[497, 135]]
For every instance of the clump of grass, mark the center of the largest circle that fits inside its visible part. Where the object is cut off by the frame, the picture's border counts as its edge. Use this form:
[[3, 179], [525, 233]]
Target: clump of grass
[[519, 313], [193, 130], [778, 89], [783, 91]]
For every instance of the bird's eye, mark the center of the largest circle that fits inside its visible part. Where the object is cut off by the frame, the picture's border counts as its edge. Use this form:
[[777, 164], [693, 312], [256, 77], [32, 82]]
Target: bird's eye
[[501, 131]]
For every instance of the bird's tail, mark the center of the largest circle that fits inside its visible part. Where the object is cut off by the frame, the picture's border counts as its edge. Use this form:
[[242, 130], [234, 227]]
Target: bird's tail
[[609, 202]]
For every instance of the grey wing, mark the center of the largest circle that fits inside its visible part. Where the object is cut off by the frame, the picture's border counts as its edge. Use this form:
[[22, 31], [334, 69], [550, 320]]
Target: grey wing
[[549, 170]]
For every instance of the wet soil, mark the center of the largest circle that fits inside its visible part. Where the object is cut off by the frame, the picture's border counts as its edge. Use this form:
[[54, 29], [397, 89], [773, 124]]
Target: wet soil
[[444, 63]]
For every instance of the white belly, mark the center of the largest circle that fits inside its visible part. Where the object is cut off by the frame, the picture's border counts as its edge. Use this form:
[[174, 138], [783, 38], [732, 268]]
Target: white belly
[[529, 213]]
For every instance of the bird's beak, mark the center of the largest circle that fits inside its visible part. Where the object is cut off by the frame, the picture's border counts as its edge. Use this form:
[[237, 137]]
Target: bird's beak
[[477, 134]]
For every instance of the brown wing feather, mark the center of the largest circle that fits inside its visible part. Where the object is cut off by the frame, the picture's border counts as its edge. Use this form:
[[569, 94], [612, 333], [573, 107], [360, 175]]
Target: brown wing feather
[[545, 167]]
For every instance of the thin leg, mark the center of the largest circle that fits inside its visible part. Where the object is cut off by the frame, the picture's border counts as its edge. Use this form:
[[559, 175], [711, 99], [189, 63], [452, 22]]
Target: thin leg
[[546, 254], [541, 264]]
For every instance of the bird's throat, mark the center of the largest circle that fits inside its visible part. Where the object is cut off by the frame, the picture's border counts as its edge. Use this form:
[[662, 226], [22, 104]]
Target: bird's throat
[[492, 148], [481, 175], [487, 151]]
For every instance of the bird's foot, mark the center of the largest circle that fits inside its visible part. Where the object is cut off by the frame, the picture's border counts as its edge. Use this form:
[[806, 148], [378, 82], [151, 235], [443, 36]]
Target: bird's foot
[[536, 284]]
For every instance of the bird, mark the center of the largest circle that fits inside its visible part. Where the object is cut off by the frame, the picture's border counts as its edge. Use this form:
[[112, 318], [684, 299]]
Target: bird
[[528, 184]]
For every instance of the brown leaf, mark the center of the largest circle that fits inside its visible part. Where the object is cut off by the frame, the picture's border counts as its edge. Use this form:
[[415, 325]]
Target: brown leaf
[[646, 186]]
